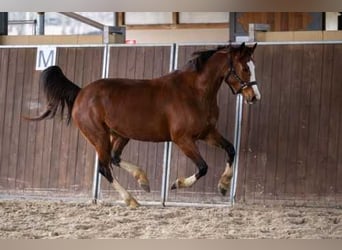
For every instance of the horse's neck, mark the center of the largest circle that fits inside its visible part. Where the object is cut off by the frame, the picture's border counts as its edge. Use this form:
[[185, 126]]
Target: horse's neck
[[210, 78]]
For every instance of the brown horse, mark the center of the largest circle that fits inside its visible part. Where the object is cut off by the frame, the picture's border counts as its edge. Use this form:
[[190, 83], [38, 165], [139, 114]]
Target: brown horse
[[180, 107]]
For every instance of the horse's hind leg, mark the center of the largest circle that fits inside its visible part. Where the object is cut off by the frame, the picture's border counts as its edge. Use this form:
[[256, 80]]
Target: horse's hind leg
[[118, 144], [99, 137], [125, 195]]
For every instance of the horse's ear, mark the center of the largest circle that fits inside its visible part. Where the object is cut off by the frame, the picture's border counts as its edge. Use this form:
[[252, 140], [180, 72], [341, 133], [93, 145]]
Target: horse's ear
[[255, 45], [242, 46]]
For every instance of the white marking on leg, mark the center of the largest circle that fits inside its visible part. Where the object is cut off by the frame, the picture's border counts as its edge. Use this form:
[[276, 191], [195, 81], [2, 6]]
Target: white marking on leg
[[228, 171], [125, 195], [129, 167], [121, 190], [188, 182]]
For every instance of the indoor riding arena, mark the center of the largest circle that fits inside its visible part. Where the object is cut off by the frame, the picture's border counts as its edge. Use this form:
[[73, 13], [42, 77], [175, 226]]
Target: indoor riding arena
[[287, 172]]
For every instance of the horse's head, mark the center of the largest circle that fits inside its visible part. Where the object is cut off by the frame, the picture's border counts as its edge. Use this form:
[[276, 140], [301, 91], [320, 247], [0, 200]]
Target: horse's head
[[241, 73]]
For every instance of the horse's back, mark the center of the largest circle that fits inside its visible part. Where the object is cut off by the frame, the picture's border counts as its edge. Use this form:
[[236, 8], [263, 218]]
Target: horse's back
[[130, 108]]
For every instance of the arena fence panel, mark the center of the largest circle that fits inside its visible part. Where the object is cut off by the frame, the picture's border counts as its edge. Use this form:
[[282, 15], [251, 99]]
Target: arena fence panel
[[47, 157], [291, 144]]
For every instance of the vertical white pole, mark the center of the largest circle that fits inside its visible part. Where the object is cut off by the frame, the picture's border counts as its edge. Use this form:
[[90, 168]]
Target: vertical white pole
[[168, 145], [237, 139], [96, 180], [97, 177]]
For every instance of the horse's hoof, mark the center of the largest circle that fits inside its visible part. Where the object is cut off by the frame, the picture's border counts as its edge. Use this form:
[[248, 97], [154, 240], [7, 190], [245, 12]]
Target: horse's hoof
[[132, 203], [178, 184], [143, 182], [222, 188], [145, 186]]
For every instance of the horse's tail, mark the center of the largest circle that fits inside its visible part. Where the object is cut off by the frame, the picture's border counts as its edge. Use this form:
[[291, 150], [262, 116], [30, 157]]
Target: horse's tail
[[59, 91]]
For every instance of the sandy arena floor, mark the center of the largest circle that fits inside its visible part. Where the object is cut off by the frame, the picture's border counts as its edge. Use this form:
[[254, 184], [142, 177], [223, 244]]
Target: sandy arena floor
[[57, 219]]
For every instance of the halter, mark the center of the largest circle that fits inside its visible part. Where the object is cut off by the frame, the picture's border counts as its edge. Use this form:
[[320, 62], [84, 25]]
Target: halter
[[243, 84]]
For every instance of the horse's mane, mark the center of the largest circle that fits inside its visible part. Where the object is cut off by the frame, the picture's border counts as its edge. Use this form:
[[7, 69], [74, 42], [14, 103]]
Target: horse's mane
[[200, 58]]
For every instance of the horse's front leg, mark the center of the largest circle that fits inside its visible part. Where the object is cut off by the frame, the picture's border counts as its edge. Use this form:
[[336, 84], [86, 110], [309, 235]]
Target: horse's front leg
[[190, 149], [118, 144], [216, 139]]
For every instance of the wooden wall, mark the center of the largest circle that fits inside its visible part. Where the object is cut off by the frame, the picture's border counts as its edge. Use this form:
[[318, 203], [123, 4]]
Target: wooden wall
[[291, 147], [278, 21], [48, 155]]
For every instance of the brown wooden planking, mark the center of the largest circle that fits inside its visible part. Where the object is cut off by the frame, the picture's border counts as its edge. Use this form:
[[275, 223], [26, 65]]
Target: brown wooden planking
[[332, 124], [76, 173], [257, 119], [259, 137], [27, 163], [260, 145], [310, 159], [334, 171], [32, 156], [285, 168], [22, 132], [58, 158], [3, 113], [248, 163], [75, 157], [299, 133], [314, 72], [253, 158], [39, 99], [293, 165], [8, 120], [325, 116], [14, 136], [67, 149], [303, 125], [30, 93], [273, 122], [334, 167], [279, 21], [70, 148], [320, 92], [3, 86]]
